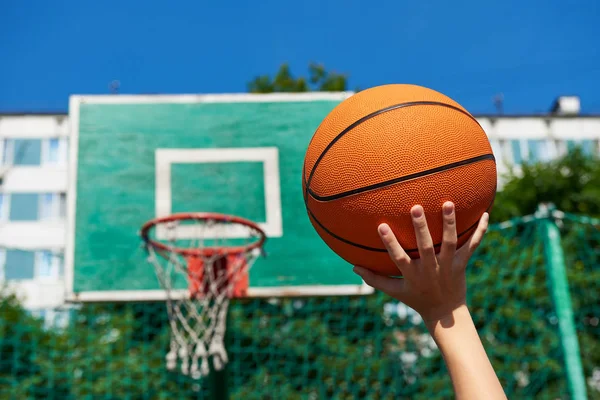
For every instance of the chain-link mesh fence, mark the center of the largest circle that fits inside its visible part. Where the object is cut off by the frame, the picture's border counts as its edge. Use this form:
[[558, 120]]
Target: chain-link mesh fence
[[368, 347]]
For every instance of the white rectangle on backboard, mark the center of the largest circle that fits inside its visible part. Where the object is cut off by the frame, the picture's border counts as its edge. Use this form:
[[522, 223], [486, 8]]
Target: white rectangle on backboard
[[269, 156]]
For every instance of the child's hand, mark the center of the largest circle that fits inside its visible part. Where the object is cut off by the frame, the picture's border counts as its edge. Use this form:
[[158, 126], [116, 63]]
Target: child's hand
[[433, 285]]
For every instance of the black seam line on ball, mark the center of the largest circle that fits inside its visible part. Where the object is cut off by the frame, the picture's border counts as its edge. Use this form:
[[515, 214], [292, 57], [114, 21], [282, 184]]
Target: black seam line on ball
[[379, 250], [374, 114], [401, 179], [341, 239]]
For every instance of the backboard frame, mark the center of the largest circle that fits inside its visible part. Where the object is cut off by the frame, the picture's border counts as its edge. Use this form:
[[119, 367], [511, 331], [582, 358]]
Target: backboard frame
[[273, 225]]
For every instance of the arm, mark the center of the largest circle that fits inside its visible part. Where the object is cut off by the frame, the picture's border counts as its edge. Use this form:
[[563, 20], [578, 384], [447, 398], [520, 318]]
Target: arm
[[435, 287], [472, 374]]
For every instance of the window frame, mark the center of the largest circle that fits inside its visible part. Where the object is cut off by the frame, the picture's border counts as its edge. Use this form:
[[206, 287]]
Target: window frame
[[4, 207], [53, 265], [57, 204], [7, 147], [46, 151]]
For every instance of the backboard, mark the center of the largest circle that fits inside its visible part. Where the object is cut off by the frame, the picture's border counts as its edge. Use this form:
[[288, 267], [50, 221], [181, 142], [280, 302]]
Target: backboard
[[133, 158]]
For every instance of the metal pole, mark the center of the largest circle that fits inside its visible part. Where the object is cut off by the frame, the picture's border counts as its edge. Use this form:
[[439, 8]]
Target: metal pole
[[218, 384], [559, 288], [219, 389]]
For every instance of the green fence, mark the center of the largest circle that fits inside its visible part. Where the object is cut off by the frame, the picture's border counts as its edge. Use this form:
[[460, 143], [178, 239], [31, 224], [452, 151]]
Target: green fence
[[534, 291]]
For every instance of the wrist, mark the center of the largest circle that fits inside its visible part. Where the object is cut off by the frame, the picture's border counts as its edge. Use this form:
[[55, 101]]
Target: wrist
[[446, 318], [455, 331]]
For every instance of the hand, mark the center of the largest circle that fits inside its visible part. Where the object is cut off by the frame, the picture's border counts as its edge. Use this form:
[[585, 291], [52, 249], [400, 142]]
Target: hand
[[434, 285]]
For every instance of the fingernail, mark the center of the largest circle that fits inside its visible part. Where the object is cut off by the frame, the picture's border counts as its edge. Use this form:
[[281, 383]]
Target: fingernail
[[358, 270], [384, 229], [417, 211], [448, 207], [486, 216]]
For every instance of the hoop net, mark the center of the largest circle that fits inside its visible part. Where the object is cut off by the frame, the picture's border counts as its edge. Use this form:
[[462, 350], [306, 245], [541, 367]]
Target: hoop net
[[201, 261]]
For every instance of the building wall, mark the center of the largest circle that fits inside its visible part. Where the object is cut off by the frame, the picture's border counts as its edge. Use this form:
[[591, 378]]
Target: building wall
[[539, 138], [33, 171], [33, 189]]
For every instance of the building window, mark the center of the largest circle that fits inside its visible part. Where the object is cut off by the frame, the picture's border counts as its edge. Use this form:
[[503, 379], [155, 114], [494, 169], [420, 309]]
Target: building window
[[587, 146], [52, 206], [62, 211], [33, 206], [3, 207], [24, 207], [19, 265], [22, 151], [48, 265], [54, 151], [53, 147], [4, 153], [33, 151], [30, 265], [515, 146], [541, 150]]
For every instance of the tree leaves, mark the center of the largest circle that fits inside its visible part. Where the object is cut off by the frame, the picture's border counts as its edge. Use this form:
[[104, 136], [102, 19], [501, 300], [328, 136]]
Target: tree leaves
[[571, 183], [319, 79]]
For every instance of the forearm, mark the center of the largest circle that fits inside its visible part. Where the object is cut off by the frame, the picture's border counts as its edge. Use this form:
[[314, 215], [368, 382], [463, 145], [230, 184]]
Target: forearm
[[470, 369]]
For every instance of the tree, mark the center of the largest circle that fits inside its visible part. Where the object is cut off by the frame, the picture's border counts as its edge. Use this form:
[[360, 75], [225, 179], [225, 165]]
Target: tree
[[111, 351], [571, 183], [319, 79]]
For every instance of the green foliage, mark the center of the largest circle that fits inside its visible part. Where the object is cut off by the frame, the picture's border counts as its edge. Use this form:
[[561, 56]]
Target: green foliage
[[572, 183], [319, 79], [17, 327], [109, 352]]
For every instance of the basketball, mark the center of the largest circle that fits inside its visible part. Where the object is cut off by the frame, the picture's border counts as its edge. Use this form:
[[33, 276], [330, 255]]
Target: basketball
[[384, 150]]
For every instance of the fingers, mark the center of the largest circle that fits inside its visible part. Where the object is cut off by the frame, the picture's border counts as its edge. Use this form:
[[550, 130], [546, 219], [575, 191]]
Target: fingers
[[396, 252], [474, 241], [390, 286], [424, 241], [449, 237]]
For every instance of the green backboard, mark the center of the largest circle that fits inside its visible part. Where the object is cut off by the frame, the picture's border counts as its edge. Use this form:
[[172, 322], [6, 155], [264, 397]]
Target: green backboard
[[134, 158]]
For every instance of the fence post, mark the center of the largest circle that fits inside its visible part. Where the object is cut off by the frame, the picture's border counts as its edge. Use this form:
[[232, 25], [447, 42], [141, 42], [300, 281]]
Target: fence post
[[561, 296], [218, 384]]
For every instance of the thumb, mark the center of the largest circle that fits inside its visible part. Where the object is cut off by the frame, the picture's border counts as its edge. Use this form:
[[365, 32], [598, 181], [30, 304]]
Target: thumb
[[390, 286]]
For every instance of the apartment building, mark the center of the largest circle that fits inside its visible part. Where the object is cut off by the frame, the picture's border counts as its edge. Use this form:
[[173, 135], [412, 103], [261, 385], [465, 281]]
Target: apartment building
[[33, 190]]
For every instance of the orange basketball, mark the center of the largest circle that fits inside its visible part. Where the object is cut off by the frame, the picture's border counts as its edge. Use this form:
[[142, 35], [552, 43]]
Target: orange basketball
[[382, 151]]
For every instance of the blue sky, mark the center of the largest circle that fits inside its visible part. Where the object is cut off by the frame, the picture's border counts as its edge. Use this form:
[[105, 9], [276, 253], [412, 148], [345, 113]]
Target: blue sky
[[532, 51]]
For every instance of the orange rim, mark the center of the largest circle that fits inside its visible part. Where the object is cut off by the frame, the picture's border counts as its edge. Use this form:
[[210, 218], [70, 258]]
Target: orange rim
[[207, 251]]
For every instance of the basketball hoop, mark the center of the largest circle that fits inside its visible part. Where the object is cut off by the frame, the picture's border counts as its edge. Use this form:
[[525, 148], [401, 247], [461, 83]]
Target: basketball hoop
[[210, 254]]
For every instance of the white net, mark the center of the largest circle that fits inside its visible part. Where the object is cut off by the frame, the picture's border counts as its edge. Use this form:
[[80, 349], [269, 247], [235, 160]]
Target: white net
[[200, 284]]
